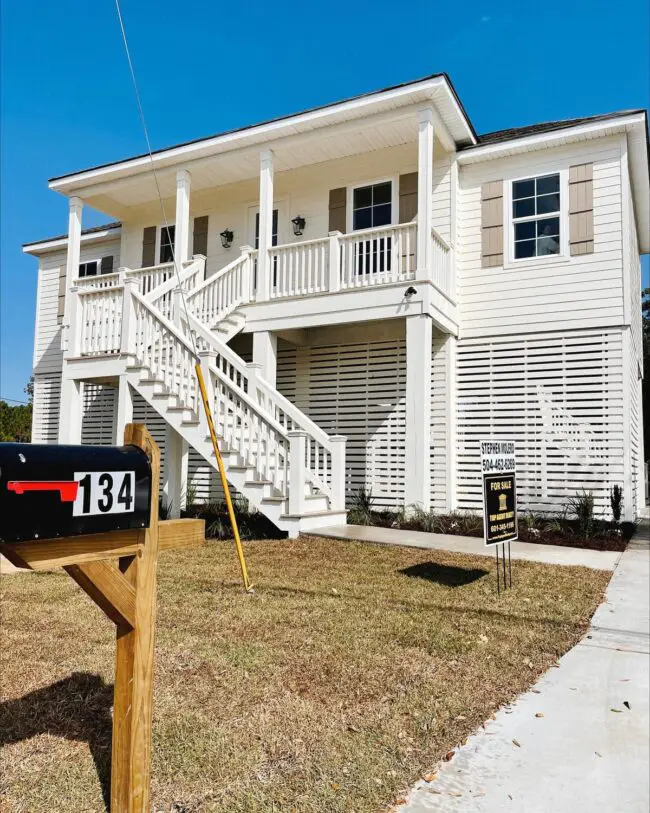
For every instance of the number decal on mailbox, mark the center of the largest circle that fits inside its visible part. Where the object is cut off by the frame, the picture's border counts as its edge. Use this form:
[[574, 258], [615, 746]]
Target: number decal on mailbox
[[104, 493]]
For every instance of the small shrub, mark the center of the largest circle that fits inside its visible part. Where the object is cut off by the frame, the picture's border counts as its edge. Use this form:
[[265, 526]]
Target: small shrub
[[616, 501], [582, 507], [360, 512]]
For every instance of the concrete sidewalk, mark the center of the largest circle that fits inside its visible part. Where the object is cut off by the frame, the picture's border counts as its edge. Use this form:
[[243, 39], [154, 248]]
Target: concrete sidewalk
[[526, 551], [590, 749]]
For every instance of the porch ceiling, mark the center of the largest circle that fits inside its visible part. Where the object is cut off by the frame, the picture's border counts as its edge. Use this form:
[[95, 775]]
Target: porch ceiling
[[119, 196]]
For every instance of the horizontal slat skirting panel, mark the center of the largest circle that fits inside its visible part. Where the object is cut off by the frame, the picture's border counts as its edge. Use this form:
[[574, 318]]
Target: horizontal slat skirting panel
[[99, 413], [580, 376], [47, 397]]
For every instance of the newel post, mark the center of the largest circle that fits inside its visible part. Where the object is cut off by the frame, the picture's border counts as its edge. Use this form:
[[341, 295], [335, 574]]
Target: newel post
[[338, 472], [207, 358], [297, 470], [247, 287], [334, 280], [254, 371], [127, 338]]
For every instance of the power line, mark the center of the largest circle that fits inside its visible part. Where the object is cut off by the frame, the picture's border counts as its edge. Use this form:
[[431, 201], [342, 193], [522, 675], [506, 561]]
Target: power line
[[14, 401]]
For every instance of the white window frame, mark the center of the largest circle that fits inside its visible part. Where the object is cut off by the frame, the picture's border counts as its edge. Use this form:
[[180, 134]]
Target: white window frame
[[91, 260], [548, 259], [394, 201]]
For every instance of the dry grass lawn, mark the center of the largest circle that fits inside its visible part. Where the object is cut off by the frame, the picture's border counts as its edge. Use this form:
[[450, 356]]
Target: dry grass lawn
[[353, 669]]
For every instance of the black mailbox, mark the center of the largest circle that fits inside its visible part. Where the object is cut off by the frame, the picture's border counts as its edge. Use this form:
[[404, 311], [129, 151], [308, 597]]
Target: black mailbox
[[54, 491]]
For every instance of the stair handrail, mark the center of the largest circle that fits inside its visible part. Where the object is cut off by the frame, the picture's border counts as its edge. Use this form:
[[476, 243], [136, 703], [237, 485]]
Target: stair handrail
[[189, 269], [242, 297]]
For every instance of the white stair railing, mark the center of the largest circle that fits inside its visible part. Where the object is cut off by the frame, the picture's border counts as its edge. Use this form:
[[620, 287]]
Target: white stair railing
[[189, 278], [219, 295], [441, 271], [96, 325]]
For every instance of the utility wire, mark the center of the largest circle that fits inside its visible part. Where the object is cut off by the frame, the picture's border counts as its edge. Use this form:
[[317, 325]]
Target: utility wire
[[153, 169]]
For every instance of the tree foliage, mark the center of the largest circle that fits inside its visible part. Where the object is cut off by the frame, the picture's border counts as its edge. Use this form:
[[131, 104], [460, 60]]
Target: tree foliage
[[16, 419]]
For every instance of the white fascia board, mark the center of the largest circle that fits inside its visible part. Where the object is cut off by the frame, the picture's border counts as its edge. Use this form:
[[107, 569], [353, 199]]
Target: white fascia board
[[260, 134], [62, 242], [548, 139]]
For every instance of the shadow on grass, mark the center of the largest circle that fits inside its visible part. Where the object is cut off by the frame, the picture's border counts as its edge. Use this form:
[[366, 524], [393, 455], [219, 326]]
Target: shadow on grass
[[76, 708], [445, 575]]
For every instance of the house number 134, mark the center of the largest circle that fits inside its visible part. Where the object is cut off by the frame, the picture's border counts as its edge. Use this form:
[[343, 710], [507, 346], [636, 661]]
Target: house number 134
[[104, 492]]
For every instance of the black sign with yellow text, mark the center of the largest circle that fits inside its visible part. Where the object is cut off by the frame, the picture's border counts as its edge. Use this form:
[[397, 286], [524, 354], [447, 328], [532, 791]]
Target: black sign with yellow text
[[500, 507]]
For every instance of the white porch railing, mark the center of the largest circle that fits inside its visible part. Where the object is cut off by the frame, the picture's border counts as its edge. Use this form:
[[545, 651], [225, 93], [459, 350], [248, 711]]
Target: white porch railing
[[96, 325], [99, 281], [299, 269], [378, 256]]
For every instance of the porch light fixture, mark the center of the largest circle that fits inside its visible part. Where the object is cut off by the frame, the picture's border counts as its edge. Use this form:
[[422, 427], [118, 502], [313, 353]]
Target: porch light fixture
[[226, 238], [298, 225]]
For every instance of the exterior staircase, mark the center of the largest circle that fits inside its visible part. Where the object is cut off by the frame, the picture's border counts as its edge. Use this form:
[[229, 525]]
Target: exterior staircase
[[285, 465]]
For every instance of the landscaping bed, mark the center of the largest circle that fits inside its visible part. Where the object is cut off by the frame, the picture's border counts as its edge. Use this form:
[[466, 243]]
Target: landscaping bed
[[575, 526], [351, 671]]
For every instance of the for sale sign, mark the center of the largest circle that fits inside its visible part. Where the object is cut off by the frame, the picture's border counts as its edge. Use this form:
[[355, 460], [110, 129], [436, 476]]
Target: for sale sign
[[499, 491]]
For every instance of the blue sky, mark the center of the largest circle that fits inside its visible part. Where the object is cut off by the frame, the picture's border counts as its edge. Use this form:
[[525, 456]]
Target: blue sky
[[203, 67]]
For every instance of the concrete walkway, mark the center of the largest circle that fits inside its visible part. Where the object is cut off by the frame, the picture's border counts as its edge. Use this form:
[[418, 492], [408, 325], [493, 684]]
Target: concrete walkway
[[590, 749], [547, 554]]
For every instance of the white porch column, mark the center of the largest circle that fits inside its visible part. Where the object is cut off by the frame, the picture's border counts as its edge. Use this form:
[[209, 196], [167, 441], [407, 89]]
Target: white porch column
[[175, 474], [417, 478], [75, 209], [70, 410], [265, 353], [266, 226], [182, 232], [425, 191], [124, 409]]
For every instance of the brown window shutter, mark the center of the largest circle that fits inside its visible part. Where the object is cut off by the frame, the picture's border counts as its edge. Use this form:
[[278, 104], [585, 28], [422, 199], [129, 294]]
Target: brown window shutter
[[492, 224], [107, 265], [338, 203], [149, 246], [200, 237], [61, 303], [408, 197], [581, 209]]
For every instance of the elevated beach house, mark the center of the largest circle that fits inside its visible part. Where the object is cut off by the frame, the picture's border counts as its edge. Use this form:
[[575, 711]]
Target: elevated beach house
[[371, 288]]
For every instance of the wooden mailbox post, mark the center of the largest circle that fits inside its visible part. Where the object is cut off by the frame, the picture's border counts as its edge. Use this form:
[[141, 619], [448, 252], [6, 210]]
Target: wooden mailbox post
[[126, 592]]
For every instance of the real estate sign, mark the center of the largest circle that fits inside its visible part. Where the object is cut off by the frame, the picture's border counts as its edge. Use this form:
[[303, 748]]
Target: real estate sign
[[499, 491]]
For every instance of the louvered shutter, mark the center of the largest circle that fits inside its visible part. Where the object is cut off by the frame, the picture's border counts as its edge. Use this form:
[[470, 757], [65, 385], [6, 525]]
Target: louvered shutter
[[492, 224], [408, 197], [581, 209], [200, 237], [337, 209], [149, 247], [107, 265]]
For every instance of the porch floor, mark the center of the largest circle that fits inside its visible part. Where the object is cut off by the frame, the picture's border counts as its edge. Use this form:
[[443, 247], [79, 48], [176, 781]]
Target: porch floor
[[547, 554]]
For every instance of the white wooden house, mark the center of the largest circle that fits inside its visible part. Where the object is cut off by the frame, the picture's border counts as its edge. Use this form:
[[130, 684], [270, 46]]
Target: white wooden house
[[371, 288]]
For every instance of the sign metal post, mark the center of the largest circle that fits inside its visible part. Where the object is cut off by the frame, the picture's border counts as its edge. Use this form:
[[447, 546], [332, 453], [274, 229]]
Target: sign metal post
[[499, 503]]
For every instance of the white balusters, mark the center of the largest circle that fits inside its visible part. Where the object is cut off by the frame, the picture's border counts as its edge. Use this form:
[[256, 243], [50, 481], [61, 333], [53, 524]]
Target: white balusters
[[378, 256], [441, 258], [100, 321], [299, 269], [220, 294]]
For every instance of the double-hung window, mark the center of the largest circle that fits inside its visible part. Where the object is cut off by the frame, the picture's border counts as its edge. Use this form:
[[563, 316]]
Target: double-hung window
[[89, 269], [536, 216], [371, 208]]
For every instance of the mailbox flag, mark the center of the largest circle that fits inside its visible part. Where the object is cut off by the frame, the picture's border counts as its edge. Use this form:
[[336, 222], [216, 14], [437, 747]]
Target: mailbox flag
[[67, 488]]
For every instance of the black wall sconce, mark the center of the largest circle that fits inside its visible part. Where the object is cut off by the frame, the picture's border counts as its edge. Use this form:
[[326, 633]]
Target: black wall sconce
[[226, 238], [298, 225]]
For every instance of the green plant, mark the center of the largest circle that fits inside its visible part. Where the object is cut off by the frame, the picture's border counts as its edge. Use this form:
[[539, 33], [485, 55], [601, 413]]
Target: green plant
[[360, 512], [582, 507], [616, 501], [165, 508], [190, 495]]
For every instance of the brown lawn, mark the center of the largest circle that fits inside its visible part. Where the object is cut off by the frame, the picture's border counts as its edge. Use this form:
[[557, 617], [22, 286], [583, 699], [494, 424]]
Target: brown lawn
[[351, 670]]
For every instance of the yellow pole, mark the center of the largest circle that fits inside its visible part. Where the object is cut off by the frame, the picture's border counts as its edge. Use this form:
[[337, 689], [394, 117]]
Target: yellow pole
[[224, 481]]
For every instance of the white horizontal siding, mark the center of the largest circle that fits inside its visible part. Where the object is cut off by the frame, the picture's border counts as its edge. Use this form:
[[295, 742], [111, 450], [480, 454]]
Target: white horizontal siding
[[442, 191], [580, 292], [497, 380]]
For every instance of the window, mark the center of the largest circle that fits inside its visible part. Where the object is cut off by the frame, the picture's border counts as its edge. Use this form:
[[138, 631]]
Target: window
[[167, 234], [89, 269], [536, 216], [372, 206]]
